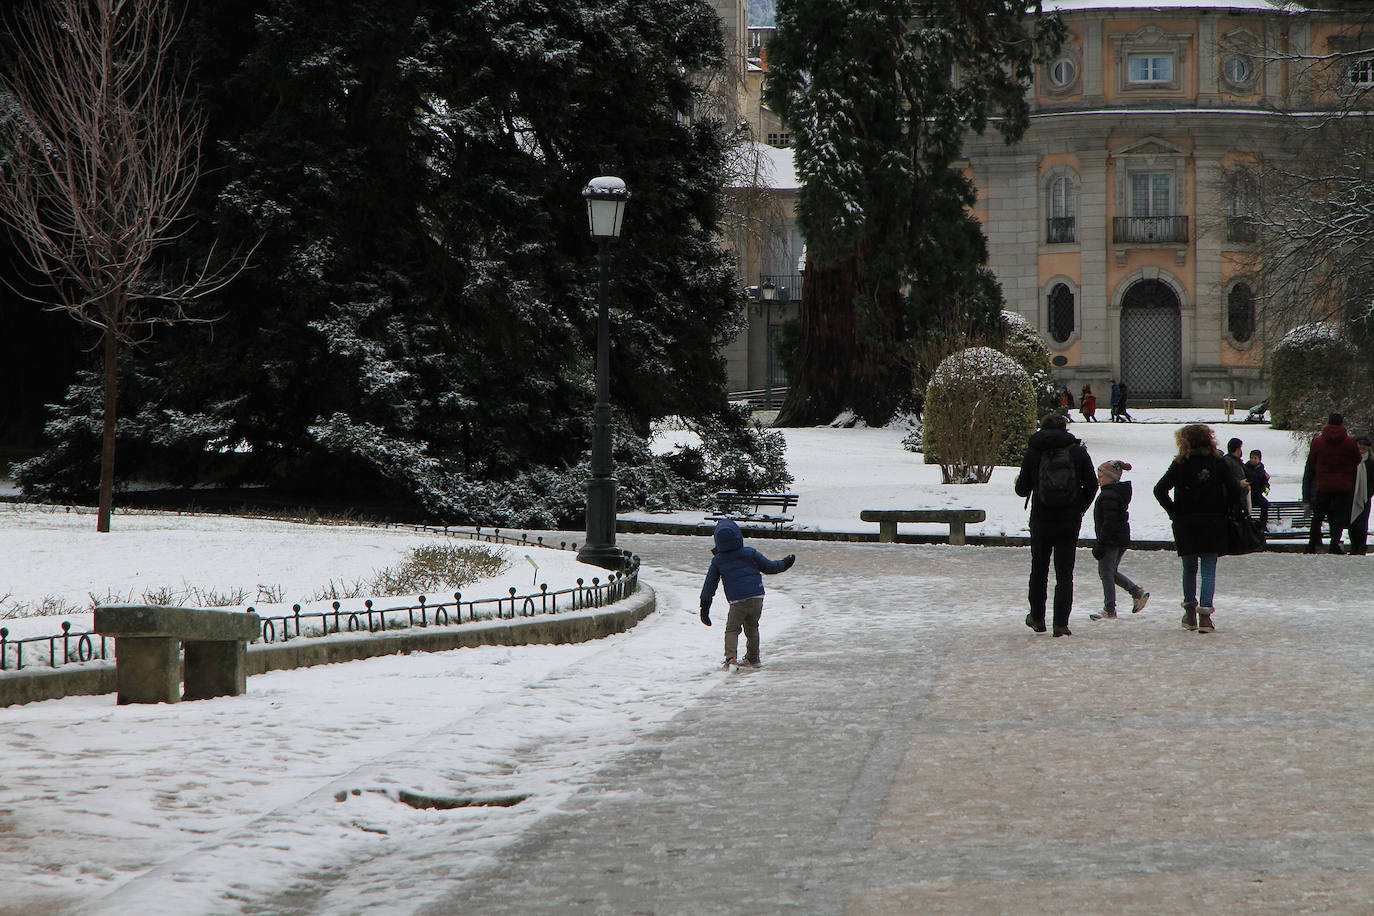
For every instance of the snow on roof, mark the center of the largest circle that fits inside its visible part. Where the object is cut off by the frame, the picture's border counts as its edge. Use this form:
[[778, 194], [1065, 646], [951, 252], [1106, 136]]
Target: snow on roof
[[1065, 6]]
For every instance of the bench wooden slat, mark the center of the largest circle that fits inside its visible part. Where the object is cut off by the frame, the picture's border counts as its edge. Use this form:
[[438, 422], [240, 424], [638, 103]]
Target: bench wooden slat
[[1295, 513], [747, 507]]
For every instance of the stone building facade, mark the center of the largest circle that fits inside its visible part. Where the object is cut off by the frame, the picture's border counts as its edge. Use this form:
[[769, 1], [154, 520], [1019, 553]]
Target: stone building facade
[[1121, 224]]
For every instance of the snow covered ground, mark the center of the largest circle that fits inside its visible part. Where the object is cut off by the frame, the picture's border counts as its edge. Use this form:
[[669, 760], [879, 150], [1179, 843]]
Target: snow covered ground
[[839, 473], [289, 798]]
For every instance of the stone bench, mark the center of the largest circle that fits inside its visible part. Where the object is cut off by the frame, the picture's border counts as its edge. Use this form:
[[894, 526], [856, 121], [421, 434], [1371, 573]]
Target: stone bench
[[147, 640], [887, 520]]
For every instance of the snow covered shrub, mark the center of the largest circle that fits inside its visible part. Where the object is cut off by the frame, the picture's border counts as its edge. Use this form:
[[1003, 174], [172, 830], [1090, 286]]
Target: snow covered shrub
[[1022, 342], [1313, 371], [980, 410], [735, 454]]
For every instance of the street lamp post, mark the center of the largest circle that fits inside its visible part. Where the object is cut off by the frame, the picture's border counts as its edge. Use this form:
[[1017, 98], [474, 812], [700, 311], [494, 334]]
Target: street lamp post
[[606, 198], [769, 292]]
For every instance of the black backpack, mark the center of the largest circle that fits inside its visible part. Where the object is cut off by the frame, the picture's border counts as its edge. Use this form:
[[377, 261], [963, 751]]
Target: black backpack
[[1057, 483]]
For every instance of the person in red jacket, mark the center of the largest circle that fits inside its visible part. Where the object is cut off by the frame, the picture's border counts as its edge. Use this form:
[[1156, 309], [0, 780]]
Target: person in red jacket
[[1328, 482]]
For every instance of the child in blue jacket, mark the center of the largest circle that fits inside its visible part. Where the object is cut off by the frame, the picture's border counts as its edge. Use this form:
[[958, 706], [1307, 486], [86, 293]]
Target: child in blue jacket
[[739, 568]]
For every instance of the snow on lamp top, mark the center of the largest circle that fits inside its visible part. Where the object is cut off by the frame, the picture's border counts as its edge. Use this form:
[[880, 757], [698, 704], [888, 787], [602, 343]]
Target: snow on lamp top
[[606, 198]]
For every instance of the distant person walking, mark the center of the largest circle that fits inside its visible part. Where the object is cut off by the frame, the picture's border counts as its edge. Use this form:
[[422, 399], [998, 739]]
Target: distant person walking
[[1123, 414], [1116, 402], [1087, 402], [1057, 478], [1258, 479], [1112, 525], [1202, 490], [1328, 480], [1360, 498], [739, 568]]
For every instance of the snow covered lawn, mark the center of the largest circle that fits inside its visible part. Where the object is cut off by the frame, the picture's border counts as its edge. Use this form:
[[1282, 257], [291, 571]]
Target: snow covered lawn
[[840, 472]]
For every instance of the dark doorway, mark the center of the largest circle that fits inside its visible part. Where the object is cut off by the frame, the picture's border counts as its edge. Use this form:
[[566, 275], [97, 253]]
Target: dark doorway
[[1152, 341]]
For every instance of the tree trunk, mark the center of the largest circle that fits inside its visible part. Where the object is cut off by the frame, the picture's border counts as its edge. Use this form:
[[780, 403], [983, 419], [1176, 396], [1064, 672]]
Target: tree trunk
[[107, 444], [845, 363]]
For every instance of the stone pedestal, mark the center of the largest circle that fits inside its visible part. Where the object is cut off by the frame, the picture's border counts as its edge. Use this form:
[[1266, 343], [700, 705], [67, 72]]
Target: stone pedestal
[[148, 670], [216, 668]]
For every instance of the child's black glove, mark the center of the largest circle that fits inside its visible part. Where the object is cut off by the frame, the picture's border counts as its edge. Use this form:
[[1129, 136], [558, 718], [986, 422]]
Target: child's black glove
[[788, 560], [706, 613]]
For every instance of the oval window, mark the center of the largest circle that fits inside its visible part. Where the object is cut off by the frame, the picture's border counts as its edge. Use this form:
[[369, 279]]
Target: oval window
[[1240, 313], [1062, 72], [1237, 70], [1061, 313]]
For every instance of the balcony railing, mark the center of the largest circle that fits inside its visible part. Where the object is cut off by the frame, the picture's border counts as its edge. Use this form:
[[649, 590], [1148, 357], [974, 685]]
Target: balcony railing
[[1059, 229], [788, 287], [1146, 229], [1241, 229]]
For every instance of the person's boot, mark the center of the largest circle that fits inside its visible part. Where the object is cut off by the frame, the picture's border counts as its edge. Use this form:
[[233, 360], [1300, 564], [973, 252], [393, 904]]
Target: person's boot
[[1190, 615], [1204, 620]]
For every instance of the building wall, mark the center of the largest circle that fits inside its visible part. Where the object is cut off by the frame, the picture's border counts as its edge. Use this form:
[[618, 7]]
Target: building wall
[[1211, 115]]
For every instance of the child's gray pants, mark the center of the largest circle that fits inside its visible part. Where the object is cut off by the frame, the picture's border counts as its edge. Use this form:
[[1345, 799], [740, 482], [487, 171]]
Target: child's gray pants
[[744, 615], [1107, 568]]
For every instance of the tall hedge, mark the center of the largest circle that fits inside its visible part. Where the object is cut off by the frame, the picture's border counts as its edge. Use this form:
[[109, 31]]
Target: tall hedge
[[1023, 343], [980, 410]]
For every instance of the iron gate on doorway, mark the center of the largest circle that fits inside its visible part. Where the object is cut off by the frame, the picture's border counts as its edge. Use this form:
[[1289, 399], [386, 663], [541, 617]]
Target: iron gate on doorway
[[1151, 341]]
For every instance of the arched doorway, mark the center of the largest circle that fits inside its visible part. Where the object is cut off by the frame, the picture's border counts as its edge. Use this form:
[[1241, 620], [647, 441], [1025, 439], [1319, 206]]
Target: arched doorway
[[1151, 341]]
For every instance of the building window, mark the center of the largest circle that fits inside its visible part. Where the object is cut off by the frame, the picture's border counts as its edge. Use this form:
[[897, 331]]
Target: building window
[[1236, 70], [1240, 313], [780, 140], [1362, 73], [1151, 68], [1062, 211], [1061, 313], [1152, 193], [1062, 73]]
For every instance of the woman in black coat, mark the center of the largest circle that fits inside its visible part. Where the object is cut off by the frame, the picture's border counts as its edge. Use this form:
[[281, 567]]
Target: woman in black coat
[[1203, 491]]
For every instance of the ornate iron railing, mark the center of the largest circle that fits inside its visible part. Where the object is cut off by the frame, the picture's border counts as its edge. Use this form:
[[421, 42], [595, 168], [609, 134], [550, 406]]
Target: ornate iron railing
[[1144, 229], [1241, 229], [1059, 229], [71, 646]]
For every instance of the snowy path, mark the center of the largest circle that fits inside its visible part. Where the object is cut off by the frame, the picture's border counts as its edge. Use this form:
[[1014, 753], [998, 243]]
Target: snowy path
[[909, 747]]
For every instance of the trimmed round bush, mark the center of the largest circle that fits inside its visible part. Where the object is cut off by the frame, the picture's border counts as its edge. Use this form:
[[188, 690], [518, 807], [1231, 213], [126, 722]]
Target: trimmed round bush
[[980, 410], [1313, 371]]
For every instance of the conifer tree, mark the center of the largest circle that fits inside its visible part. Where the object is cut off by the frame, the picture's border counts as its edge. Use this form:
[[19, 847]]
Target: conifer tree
[[878, 96]]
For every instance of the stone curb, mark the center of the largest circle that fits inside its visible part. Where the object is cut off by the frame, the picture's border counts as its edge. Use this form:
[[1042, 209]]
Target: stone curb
[[32, 685]]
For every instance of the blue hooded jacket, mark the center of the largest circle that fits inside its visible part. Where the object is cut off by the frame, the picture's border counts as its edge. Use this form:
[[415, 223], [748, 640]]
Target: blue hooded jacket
[[737, 566]]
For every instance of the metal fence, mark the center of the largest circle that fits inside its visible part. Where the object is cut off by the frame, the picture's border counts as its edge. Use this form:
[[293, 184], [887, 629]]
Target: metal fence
[[70, 646]]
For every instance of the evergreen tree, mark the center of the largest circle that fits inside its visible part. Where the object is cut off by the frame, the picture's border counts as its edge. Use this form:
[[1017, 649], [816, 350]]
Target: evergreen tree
[[418, 318], [878, 95]]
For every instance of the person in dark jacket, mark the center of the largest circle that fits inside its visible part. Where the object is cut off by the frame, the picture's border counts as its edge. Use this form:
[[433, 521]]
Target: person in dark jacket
[[1359, 505], [1054, 529], [1258, 478], [1327, 480], [1236, 464], [739, 568], [1112, 525], [1203, 490]]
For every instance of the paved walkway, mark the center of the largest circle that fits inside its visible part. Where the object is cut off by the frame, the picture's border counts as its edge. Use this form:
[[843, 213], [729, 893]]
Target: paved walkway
[[911, 747]]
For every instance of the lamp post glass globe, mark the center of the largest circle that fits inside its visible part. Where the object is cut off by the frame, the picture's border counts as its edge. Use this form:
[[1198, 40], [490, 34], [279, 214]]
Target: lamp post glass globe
[[605, 198]]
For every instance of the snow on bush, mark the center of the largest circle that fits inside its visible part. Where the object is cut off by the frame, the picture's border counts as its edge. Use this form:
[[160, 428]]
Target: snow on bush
[[1314, 370], [979, 412], [1023, 343]]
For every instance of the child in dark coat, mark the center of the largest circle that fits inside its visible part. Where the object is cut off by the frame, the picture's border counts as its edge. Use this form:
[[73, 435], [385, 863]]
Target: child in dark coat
[[1112, 524], [739, 568]]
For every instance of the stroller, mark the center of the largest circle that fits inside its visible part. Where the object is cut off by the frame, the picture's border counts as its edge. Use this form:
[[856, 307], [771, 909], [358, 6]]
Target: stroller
[[1256, 414]]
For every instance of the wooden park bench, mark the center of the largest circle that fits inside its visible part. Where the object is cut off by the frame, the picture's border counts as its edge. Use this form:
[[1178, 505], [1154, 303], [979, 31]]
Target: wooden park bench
[[887, 520], [148, 668], [750, 507], [1287, 519]]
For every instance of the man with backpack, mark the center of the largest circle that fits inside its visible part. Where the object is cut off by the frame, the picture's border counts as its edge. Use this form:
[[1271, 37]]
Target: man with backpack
[[1059, 482]]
